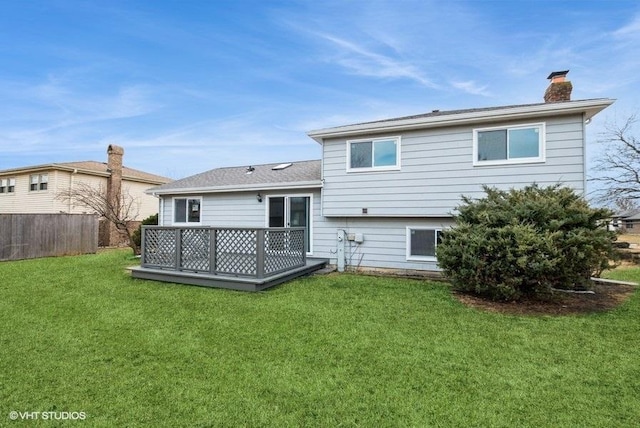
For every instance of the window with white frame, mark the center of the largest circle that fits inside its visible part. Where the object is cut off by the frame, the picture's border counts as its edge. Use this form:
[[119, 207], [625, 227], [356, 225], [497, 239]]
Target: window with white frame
[[187, 210], [422, 243], [373, 154], [515, 144], [7, 185], [39, 182]]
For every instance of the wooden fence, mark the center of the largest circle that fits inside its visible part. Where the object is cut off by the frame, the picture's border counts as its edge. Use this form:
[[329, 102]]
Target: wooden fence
[[28, 236]]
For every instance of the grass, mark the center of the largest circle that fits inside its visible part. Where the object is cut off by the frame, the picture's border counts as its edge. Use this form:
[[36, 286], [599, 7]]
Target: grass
[[79, 335]]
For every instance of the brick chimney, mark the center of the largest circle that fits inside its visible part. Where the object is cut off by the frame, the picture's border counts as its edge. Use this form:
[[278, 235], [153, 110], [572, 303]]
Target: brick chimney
[[560, 89], [114, 188]]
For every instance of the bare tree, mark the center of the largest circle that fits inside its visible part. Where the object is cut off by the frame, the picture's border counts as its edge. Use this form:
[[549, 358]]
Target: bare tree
[[624, 204], [118, 211], [618, 168]]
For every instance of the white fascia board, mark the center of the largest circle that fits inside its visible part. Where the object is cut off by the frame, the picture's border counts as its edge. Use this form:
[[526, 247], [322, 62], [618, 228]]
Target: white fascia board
[[589, 107], [52, 167], [234, 188], [75, 170]]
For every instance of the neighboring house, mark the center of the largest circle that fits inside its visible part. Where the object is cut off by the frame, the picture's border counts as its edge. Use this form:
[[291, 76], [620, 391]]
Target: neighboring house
[[384, 190], [33, 189], [627, 222]]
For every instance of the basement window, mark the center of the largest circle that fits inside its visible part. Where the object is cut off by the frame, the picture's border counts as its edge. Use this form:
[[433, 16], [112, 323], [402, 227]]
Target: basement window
[[422, 243], [509, 145]]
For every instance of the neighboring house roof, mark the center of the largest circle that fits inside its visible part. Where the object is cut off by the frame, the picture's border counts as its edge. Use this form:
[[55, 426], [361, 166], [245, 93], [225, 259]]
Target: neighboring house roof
[[438, 118], [632, 214], [91, 168], [302, 174]]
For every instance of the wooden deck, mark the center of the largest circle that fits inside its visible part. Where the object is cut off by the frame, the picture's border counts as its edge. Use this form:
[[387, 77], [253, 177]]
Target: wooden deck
[[233, 282]]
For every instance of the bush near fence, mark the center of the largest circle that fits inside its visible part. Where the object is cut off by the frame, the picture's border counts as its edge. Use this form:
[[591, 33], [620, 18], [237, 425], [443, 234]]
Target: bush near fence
[[28, 236]]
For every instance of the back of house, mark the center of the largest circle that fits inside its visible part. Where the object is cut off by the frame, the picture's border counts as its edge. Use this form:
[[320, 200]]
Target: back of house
[[384, 190]]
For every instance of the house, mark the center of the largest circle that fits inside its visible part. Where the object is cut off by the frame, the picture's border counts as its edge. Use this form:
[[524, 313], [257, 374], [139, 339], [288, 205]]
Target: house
[[384, 190], [627, 222], [33, 189]]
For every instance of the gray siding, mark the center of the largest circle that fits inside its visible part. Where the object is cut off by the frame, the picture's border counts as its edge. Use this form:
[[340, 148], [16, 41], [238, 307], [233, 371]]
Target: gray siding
[[384, 246], [437, 168], [240, 209], [384, 243]]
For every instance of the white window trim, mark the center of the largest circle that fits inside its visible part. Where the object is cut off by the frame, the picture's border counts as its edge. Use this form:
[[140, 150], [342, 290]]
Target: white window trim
[[294, 195], [395, 167], [413, 258], [39, 182], [542, 148], [8, 183], [173, 211]]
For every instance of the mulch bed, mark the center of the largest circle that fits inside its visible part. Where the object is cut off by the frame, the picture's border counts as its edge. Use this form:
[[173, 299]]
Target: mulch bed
[[606, 297]]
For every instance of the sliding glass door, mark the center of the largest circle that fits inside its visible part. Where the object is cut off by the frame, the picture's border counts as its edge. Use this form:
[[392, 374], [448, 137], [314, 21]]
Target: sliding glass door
[[290, 211]]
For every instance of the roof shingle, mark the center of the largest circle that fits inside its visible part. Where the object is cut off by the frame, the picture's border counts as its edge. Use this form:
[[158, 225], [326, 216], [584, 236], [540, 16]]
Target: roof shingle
[[248, 176]]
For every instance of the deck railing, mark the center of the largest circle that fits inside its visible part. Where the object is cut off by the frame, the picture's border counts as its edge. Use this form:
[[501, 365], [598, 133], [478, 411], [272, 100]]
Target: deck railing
[[247, 252]]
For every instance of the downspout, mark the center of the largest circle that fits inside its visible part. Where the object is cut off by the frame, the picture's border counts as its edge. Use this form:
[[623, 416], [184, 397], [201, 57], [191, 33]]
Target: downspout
[[585, 122], [160, 209], [74, 172]]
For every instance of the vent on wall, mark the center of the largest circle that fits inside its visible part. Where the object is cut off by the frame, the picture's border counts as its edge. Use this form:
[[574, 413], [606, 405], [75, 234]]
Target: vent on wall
[[281, 166]]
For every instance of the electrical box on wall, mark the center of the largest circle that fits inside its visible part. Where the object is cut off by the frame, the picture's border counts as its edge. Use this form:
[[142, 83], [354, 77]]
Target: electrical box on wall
[[358, 238]]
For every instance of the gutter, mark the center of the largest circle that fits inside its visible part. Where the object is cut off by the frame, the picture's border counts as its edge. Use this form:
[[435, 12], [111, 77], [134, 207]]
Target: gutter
[[74, 170], [236, 188], [588, 107]]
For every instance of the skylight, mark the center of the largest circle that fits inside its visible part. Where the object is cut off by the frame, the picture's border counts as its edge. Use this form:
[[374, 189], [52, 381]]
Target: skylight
[[281, 166]]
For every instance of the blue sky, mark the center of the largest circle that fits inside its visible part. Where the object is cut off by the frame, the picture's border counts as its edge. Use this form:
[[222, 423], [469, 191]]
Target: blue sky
[[187, 86]]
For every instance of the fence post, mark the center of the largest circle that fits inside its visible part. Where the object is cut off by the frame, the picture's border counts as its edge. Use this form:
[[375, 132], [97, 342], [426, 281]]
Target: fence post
[[212, 250], [143, 246], [260, 253], [304, 247], [178, 260]]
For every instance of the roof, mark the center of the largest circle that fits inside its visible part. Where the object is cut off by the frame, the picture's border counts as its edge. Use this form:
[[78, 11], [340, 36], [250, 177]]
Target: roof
[[437, 118], [92, 168], [632, 214], [634, 217], [302, 174]]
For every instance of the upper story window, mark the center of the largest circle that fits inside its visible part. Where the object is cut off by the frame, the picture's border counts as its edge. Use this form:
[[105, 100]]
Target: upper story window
[[515, 144], [373, 154], [187, 210], [7, 185], [39, 182]]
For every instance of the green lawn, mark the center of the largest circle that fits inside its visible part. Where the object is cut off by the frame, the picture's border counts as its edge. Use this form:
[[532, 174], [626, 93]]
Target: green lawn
[[77, 334]]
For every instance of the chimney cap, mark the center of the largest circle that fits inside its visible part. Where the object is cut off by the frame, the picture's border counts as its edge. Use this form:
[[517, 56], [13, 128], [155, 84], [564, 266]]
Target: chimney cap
[[558, 74], [113, 149]]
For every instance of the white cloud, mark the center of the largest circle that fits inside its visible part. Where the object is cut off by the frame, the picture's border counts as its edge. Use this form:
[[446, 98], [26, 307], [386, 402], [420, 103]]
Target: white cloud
[[629, 30], [472, 88], [365, 62]]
